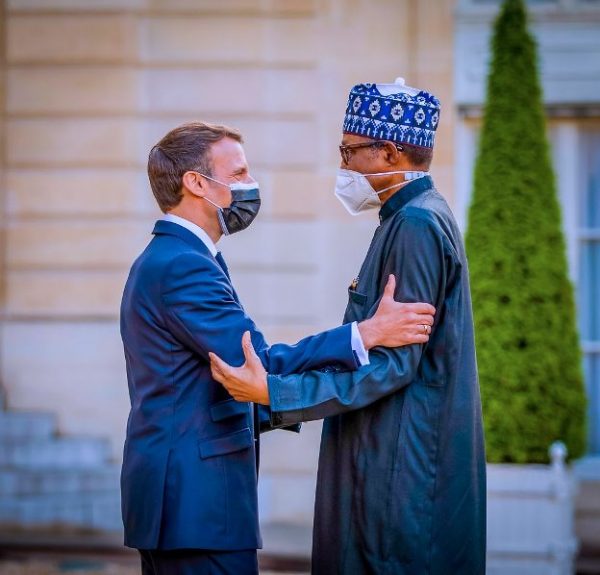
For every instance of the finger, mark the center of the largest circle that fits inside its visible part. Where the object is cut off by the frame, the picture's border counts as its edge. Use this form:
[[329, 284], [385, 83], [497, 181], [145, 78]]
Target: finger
[[420, 308], [248, 348], [420, 338], [224, 380], [218, 365], [215, 361], [424, 319], [390, 287], [218, 375], [412, 317]]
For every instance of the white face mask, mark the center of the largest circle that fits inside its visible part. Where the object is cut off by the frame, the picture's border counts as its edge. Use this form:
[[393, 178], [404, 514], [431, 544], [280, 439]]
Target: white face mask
[[357, 194]]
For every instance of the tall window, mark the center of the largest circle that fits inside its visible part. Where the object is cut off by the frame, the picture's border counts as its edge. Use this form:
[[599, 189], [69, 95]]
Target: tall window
[[588, 291]]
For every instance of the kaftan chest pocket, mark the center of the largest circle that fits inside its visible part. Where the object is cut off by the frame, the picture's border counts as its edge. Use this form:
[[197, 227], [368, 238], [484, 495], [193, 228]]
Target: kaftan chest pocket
[[357, 297], [357, 306]]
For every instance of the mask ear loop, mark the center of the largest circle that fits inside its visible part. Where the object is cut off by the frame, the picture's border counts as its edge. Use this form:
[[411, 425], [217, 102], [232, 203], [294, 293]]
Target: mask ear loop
[[212, 179], [408, 176], [222, 222], [220, 217]]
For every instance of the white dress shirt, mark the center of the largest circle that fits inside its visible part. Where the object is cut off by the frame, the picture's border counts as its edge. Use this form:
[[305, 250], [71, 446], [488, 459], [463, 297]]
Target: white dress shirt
[[195, 229], [356, 342]]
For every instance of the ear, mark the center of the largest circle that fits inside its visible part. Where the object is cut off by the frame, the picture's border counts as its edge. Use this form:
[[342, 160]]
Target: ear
[[392, 156], [397, 158], [193, 183]]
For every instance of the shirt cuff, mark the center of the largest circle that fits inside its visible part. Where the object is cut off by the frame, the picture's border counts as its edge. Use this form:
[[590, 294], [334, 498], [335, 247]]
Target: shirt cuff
[[358, 347]]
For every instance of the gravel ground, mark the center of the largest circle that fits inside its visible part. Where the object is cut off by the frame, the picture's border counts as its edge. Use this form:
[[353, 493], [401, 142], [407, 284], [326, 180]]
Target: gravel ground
[[78, 567]]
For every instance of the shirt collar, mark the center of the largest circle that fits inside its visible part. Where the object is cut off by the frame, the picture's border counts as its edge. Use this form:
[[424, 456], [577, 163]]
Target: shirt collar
[[195, 229], [404, 195]]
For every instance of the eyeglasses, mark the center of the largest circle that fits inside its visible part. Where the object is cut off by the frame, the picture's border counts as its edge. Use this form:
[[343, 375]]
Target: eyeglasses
[[346, 149]]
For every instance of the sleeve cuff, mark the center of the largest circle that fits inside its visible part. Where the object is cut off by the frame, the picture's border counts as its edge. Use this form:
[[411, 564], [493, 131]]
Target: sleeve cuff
[[358, 347], [285, 409]]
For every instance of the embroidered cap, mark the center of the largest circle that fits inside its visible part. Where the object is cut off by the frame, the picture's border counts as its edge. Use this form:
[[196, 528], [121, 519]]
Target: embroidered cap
[[394, 112]]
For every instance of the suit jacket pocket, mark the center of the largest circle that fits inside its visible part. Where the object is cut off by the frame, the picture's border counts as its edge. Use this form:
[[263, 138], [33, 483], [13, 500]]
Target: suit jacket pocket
[[230, 443]]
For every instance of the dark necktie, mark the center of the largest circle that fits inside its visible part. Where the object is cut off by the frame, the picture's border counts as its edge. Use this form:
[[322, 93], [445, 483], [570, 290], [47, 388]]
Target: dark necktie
[[222, 263]]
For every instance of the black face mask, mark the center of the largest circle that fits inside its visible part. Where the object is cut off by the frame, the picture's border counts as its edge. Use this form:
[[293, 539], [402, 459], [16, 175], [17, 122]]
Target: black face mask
[[245, 205]]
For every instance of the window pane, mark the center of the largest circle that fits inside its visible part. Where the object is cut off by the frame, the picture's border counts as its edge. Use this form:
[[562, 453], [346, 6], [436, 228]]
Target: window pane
[[592, 378], [590, 216], [589, 291]]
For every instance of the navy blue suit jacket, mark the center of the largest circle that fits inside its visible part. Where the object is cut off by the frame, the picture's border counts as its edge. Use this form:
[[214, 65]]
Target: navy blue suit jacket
[[189, 463]]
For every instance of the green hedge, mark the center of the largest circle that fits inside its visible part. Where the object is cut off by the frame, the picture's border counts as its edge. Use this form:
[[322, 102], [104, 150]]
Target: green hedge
[[527, 343]]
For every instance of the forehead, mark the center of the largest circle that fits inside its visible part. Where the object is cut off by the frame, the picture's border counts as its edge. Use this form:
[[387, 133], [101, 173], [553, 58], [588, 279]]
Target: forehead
[[354, 139], [228, 153]]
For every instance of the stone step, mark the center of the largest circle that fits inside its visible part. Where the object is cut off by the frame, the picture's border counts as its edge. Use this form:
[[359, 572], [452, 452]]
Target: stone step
[[16, 425], [17, 482], [97, 510], [60, 452]]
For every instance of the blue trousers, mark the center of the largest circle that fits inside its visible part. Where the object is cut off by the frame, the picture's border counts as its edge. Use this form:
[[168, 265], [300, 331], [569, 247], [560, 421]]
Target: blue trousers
[[198, 562]]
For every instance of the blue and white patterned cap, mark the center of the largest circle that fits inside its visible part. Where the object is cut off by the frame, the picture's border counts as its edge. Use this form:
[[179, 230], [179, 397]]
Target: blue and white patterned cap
[[394, 112]]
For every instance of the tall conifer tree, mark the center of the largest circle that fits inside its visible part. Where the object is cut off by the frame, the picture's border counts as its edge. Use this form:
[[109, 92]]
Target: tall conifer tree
[[527, 343]]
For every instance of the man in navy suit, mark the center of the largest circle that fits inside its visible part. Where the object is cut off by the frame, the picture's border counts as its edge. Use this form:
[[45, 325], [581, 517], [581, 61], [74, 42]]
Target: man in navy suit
[[190, 459]]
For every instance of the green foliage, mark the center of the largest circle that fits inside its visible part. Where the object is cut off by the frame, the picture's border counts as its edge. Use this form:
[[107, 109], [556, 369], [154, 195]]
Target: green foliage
[[527, 343]]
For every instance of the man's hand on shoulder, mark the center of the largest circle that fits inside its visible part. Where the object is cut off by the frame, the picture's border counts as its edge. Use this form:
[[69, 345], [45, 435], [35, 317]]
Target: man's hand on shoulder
[[247, 382], [396, 324]]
